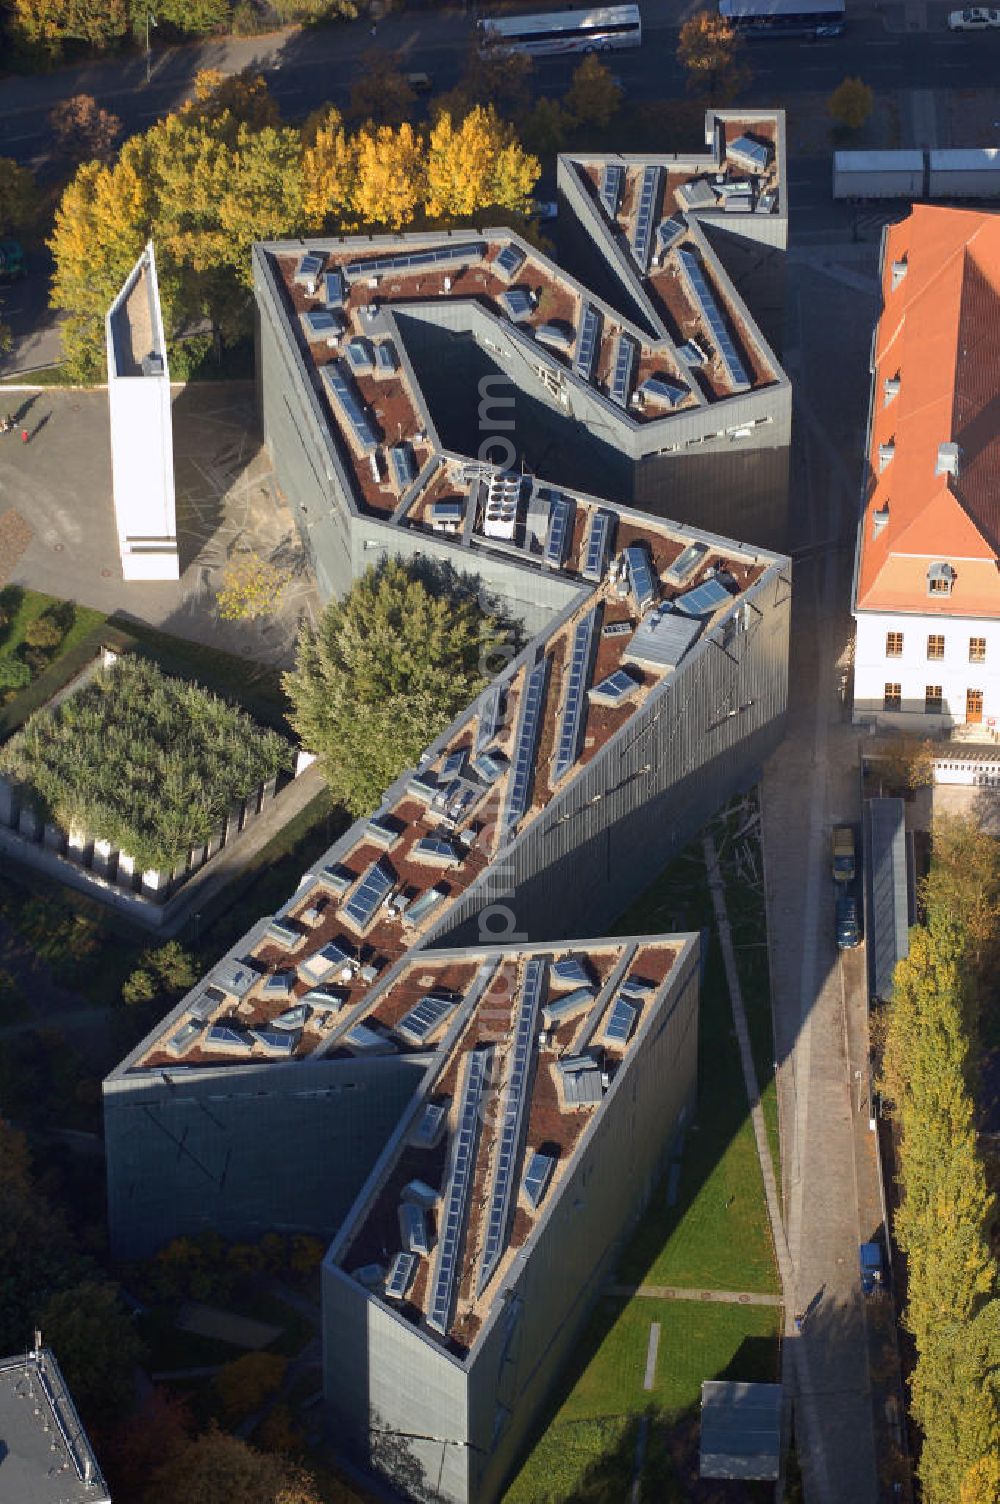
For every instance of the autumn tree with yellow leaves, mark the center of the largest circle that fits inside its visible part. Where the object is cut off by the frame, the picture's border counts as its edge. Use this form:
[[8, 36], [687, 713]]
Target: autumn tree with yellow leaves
[[206, 182], [477, 164], [946, 1211], [329, 172], [389, 183], [710, 53]]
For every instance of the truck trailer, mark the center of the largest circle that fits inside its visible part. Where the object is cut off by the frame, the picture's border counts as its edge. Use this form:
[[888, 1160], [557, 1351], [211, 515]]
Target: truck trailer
[[972, 173], [941, 176], [878, 174]]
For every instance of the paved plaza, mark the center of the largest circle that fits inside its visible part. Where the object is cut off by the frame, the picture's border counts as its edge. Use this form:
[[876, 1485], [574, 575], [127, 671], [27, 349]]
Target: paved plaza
[[57, 528]]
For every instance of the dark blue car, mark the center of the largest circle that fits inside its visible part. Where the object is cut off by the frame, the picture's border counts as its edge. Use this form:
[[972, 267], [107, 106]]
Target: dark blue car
[[848, 934]]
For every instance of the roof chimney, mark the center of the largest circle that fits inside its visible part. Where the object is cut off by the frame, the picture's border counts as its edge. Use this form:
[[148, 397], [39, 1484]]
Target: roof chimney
[[899, 270], [947, 460]]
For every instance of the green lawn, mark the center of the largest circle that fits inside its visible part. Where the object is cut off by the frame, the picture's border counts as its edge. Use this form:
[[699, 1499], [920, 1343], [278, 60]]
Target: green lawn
[[80, 643], [587, 1450], [716, 1237]]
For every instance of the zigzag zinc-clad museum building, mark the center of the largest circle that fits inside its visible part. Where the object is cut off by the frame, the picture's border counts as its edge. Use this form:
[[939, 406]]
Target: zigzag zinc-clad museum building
[[421, 1057]]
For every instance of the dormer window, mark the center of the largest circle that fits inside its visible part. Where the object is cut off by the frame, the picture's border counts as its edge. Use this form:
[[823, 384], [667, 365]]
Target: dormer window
[[880, 519], [899, 270], [885, 454], [890, 389], [940, 579]]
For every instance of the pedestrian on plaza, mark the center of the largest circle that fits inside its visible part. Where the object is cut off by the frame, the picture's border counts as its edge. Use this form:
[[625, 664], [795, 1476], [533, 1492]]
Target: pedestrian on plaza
[[24, 435], [798, 1321]]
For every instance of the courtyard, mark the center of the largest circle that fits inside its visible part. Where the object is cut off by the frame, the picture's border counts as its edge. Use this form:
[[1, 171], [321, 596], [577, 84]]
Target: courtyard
[[57, 528]]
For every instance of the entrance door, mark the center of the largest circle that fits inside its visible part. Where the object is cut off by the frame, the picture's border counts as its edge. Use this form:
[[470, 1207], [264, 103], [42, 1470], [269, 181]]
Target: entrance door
[[973, 707]]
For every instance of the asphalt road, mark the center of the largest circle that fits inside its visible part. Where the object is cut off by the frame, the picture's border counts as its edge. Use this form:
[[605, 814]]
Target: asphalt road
[[306, 70]]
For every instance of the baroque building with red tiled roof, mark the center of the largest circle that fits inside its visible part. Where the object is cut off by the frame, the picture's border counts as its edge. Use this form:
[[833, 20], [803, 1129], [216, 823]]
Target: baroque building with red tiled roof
[[927, 574]]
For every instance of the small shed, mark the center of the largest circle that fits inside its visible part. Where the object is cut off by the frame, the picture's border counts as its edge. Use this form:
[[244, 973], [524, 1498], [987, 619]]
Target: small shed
[[740, 1430]]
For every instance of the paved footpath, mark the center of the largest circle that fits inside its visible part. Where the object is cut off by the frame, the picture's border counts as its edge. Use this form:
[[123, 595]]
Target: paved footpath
[[681, 1292]]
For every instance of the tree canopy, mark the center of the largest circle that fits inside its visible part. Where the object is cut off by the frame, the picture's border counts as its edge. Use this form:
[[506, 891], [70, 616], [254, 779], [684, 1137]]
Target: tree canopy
[[850, 104], [148, 762], [221, 172], [220, 1469], [946, 1210], [53, 28], [95, 1341], [710, 53], [385, 671], [593, 96], [81, 129]]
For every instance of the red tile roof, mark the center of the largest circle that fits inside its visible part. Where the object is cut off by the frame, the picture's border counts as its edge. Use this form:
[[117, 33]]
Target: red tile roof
[[939, 335]]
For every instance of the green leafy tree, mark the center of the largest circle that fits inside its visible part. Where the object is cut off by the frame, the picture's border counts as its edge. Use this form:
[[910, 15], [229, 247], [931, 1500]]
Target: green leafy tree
[[37, 1255], [593, 97], [386, 670], [167, 972], [313, 10], [15, 675], [850, 104], [95, 1341], [545, 128], [710, 53], [191, 16]]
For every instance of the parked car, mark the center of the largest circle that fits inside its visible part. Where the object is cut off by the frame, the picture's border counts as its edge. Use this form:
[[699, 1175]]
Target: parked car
[[544, 209], [842, 852], [870, 1259], [975, 18], [848, 934], [420, 83]]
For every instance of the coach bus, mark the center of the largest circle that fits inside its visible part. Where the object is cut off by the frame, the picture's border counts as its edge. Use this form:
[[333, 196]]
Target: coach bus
[[767, 18], [602, 30]]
